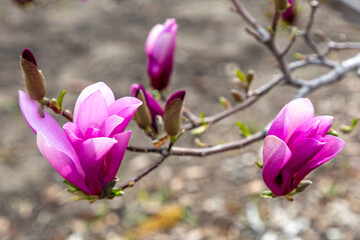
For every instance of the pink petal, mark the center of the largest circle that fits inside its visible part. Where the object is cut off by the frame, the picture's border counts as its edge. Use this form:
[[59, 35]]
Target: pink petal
[[91, 155], [324, 126], [92, 132], [105, 90], [92, 112], [62, 163], [298, 111], [333, 145], [73, 134], [164, 48], [279, 127], [153, 105], [311, 128], [114, 158], [275, 155], [152, 38], [111, 126], [51, 130], [303, 151], [124, 107]]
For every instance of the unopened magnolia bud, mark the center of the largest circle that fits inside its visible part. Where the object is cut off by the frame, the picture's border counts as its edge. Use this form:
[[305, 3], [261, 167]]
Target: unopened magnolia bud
[[142, 115], [160, 51], [237, 95], [106, 191], [303, 185], [34, 80], [281, 5], [172, 113]]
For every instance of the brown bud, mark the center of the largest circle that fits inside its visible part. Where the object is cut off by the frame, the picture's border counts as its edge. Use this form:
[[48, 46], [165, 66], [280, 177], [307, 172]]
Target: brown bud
[[142, 115], [237, 95], [172, 113], [34, 80]]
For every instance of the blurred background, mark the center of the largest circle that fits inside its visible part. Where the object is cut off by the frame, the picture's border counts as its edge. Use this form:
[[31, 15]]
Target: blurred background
[[78, 43]]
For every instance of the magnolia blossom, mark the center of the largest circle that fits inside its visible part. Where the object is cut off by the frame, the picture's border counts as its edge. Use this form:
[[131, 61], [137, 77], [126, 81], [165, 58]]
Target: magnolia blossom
[[160, 49], [88, 151], [290, 13], [295, 145]]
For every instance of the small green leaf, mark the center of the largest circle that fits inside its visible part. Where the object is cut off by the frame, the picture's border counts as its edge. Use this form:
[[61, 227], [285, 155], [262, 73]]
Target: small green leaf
[[173, 139], [156, 94], [224, 102], [333, 132], [347, 128], [354, 122], [260, 165], [298, 56], [240, 75], [117, 192], [290, 199], [293, 32], [61, 98], [199, 130], [202, 118], [69, 184], [267, 194], [244, 131]]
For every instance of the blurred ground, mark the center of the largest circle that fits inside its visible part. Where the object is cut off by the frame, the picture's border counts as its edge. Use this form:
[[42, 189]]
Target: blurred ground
[[78, 43]]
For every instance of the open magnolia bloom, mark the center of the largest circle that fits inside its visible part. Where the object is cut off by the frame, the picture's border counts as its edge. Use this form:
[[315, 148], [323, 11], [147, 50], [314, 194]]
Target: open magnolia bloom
[[295, 145], [88, 151]]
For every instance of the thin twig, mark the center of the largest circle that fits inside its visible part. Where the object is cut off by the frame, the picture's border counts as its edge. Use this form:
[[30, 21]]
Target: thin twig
[[265, 36], [148, 170], [288, 47], [307, 37], [201, 152], [249, 101], [63, 112], [275, 23]]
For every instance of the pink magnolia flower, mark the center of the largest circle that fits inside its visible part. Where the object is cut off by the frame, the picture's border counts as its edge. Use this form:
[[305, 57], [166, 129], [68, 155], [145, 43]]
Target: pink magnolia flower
[[295, 145], [160, 49], [88, 151], [289, 14]]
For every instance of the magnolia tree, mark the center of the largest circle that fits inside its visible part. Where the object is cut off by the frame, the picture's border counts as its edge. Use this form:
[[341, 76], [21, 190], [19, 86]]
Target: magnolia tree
[[88, 150]]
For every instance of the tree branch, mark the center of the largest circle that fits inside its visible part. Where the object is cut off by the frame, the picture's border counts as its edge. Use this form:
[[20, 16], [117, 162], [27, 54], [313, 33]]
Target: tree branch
[[148, 170], [256, 94], [335, 75], [264, 35], [201, 152]]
